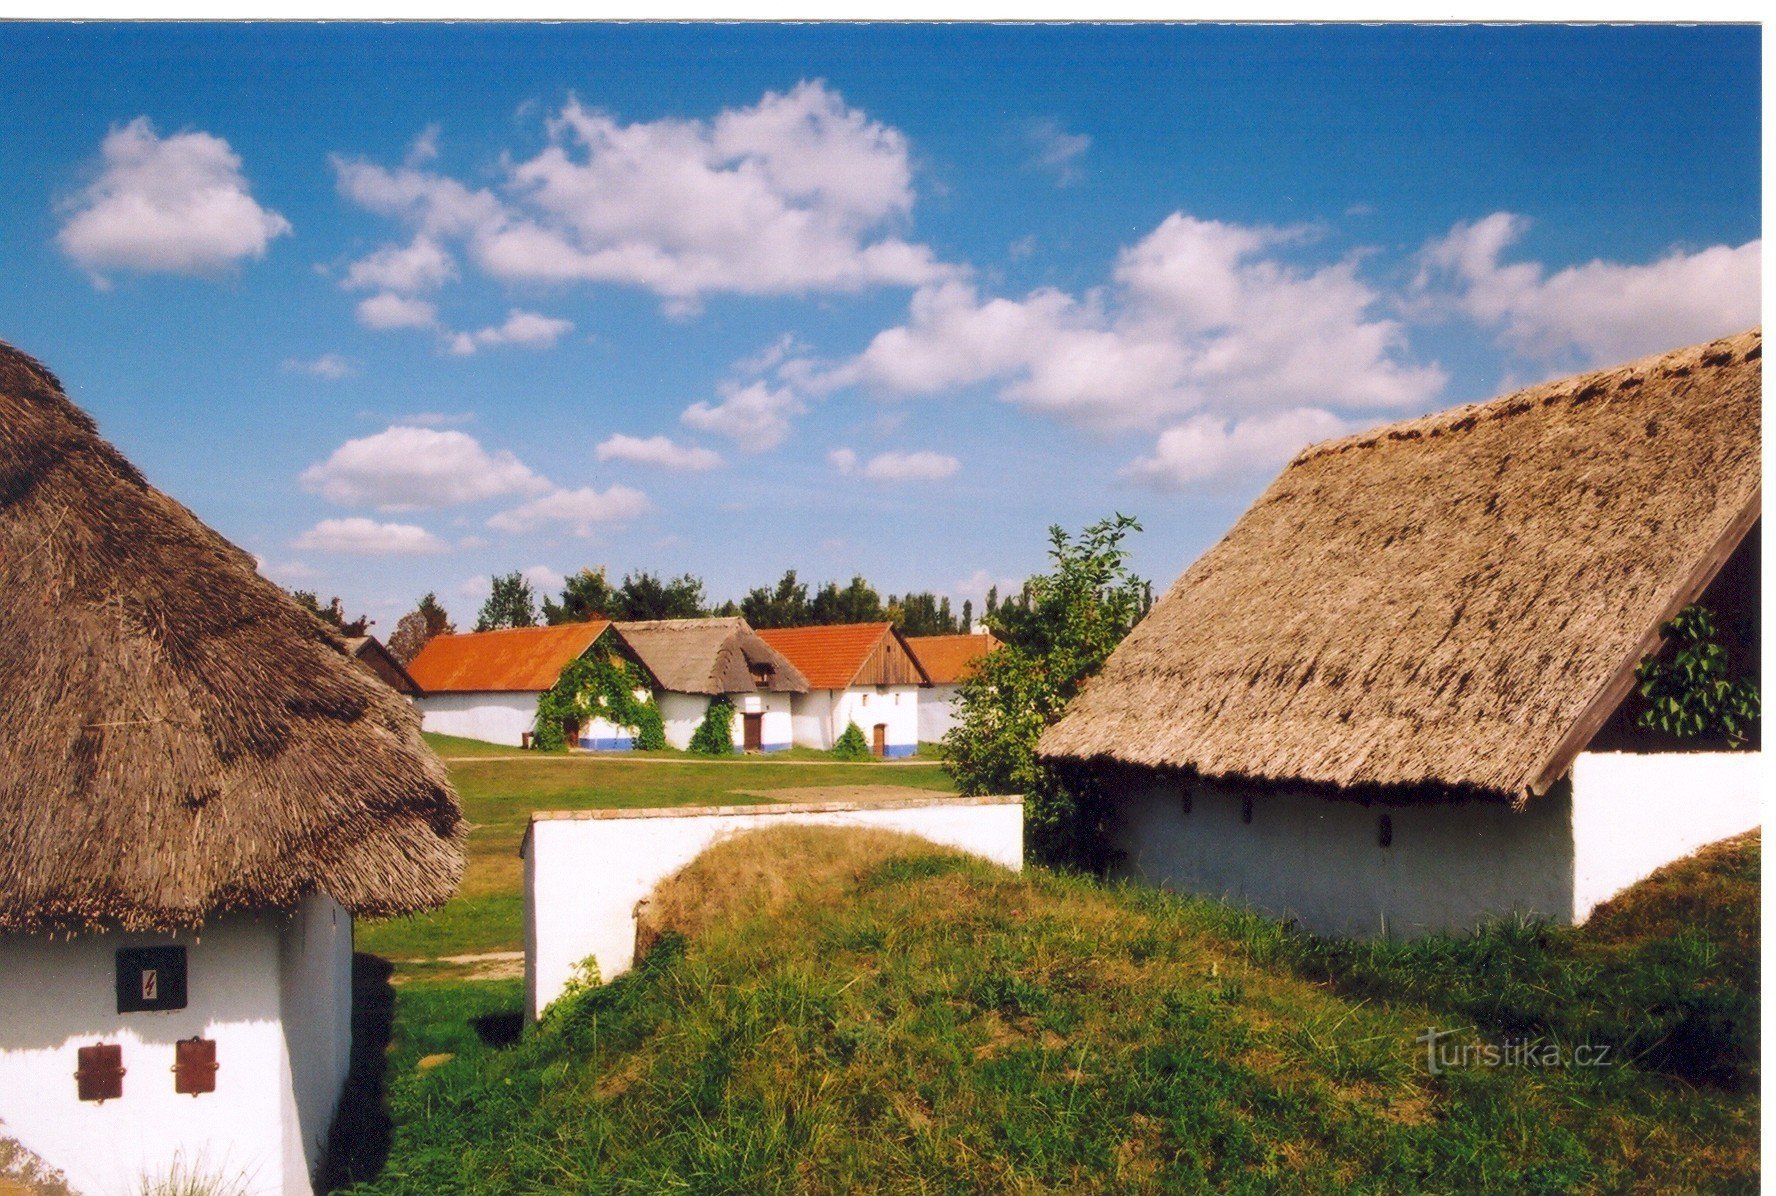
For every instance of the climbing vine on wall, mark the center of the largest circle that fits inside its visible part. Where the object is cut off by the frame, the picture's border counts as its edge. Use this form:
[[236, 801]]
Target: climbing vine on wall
[[599, 687], [714, 736], [1688, 686]]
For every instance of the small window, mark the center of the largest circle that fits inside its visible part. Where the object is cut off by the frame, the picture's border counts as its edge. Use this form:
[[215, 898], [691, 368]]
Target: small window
[[866, 699], [897, 699], [1386, 834]]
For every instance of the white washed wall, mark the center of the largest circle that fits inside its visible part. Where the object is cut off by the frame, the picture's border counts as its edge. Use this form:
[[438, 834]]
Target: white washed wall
[[682, 714], [812, 723], [489, 717], [777, 726], [263, 1121], [584, 872], [822, 715], [1633, 813], [937, 712]]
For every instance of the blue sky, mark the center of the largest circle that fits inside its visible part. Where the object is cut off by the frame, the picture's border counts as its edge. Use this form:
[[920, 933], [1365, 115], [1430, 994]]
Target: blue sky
[[398, 307]]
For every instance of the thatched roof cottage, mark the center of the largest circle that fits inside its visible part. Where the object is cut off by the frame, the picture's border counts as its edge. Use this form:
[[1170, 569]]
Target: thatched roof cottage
[[1398, 693], [860, 673], [199, 790], [694, 661]]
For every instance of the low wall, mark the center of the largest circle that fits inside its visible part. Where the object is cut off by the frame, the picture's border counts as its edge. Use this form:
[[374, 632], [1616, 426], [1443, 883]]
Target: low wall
[[584, 871]]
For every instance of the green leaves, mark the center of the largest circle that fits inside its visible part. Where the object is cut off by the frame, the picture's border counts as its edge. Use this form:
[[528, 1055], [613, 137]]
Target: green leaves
[[714, 736], [851, 745], [596, 686], [1688, 687]]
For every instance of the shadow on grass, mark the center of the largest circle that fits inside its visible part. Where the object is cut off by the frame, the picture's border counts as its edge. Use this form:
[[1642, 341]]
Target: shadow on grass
[[499, 1030], [358, 1145]]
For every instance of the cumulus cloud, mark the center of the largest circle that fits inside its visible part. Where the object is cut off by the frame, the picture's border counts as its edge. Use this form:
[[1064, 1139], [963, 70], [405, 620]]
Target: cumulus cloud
[[329, 366], [178, 204], [894, 467], [366, 537], [1057, 151], [755, 416], [658, 451], [582, 510], [409, 468], [1599, 312], [421, 265], [526, 329], [284, 572], [1207, 448], [389, 310], [797, 193]]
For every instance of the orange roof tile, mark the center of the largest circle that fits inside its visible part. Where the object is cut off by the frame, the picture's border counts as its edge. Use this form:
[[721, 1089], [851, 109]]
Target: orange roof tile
[[520, 659], [829, 657], [948, 658]]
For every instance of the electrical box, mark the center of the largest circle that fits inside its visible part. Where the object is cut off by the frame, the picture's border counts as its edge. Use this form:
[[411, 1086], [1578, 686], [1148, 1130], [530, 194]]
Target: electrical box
[[150, 978]]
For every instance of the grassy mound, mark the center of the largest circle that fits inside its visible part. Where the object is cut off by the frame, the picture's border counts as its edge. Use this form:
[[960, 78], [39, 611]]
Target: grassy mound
[[893, 1017]]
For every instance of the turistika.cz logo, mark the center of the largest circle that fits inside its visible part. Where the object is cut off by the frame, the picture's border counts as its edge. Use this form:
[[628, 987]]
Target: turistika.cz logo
[[1443, 1054]]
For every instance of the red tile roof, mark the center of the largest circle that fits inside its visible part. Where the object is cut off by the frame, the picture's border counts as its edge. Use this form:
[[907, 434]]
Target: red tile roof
[[949, 658], [829, 657], [521, 659]]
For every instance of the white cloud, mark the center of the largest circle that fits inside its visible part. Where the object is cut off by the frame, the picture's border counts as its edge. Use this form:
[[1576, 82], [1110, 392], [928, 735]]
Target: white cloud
[[178, 204], [1601, 312], [1057, 151], [797, 193], [284, 572], [976, 585], [330, 366], [408, 468], [526, 329], [659, 451], [581, 510], [755, 417], [1207, 448], [894, 467], [389, 310], [1201, 316], [366, 537], [422, 265]]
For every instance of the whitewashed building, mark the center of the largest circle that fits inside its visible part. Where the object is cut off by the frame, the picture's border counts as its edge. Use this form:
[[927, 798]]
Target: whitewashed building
[[858, 673], [485, 685], [695, 661], [1400, 695], [199, 790], [948, 660]]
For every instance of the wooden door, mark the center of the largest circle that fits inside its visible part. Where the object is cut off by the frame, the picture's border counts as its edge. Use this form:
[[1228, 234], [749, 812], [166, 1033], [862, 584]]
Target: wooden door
[[753, 732], [880, 747]]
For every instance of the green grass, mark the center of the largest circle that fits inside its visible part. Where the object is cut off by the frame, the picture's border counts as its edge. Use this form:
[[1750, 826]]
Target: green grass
[[935, 1024], [499, 796]]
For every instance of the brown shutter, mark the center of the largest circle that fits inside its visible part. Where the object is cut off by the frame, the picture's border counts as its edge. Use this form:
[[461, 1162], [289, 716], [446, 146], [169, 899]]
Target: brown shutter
[[194, 1066], [100, 1073]]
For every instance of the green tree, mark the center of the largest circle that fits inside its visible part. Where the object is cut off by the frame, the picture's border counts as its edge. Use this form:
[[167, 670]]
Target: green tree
[[851, 745], [1056, 636], [1688, 686], [511, 604], [332, 614], [785, 606], [858, 602], [418, 627], [644, 595], [923, 614], [586, 595], [967, 614]]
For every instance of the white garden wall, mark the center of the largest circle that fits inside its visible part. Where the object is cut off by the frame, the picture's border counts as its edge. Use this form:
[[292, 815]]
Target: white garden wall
[[584, 871], [489, 717], [273, 992], [1633, 813]]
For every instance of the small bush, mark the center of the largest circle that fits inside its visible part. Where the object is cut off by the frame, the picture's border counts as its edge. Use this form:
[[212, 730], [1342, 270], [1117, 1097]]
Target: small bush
[[714, 736], [852, 745]]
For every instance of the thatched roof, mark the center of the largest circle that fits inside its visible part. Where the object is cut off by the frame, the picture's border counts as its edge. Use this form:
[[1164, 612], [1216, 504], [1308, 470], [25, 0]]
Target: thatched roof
[[948, 659], [177, 736], [370, 652], [1456, 602], [512, 660], [842, 655], [710, 656]]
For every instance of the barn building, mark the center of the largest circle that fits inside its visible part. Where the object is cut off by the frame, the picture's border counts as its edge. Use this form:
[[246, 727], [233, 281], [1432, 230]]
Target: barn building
[[948, 660], [485, 684], [859, 673], [370, 652], [1399, 695], [199, 790], [694, 661]]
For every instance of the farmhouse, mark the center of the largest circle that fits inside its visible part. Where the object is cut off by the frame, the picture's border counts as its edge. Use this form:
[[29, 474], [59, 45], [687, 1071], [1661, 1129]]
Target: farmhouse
[[199, 790], [369, 651], [694, 661], [1399, 695], [859, 673], [947, 660], [485, 684]]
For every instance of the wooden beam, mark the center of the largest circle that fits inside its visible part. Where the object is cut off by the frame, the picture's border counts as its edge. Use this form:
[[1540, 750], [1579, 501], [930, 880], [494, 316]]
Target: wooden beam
[[1616, 690]]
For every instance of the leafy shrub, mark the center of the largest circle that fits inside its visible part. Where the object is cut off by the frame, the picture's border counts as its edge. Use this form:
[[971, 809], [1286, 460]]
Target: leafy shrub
[[1687, 687], [852, 745], [714, 736]]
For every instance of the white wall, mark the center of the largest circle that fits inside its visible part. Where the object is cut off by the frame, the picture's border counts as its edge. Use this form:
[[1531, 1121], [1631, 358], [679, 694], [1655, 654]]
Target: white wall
[[682, 714], [937, 712], [822, 715], [1320, 861], [61, 995], [585, 871], [489, 717], [1633, 813]]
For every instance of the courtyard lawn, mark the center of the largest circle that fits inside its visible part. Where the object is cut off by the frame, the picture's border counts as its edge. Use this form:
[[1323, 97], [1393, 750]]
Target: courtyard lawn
[[501, 787]]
